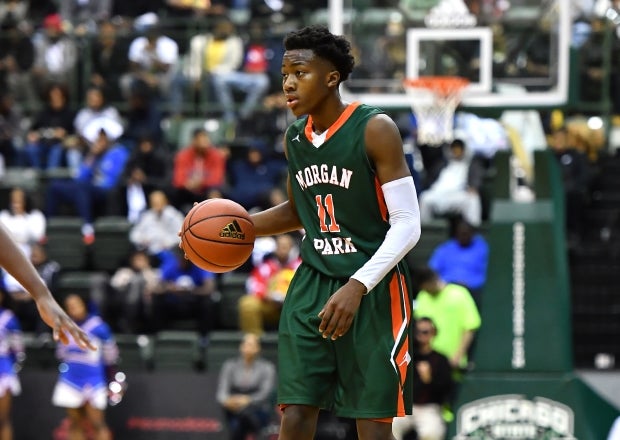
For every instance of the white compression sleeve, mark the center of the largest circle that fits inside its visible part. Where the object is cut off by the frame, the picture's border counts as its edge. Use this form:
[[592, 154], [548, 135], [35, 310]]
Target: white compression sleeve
[[402, 204]]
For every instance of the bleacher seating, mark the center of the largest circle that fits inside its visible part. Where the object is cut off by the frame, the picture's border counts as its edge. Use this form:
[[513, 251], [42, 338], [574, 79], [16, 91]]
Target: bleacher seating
[[64, 242], [135, 352], [177, 350], [112, 246], [40, 351], [231, 287]]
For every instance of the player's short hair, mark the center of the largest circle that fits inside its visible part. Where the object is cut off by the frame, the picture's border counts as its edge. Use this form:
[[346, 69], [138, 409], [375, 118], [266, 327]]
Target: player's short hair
[[334, 48]]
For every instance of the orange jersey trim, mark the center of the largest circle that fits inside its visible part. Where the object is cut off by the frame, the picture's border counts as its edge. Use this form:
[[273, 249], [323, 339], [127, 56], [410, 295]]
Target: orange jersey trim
[[399, 301], [348, 111], [382, 205]]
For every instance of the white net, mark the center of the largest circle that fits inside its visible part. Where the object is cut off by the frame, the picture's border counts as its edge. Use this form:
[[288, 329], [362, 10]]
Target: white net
[[434, 100]]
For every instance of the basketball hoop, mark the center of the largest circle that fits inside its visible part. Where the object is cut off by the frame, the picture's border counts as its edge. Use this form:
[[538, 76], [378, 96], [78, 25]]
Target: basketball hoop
[[434, 100]]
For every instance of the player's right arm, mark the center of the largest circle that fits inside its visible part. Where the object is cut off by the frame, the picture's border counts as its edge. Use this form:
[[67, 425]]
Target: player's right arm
[[281, 218]]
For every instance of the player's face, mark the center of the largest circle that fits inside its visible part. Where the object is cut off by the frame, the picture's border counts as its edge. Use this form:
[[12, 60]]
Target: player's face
[[306, 80]]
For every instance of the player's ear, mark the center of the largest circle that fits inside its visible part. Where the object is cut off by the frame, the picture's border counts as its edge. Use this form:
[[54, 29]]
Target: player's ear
[[333, 78]]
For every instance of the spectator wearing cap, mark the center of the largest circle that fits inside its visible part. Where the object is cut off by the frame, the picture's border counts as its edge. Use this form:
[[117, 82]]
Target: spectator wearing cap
[[56, 54], [97, 177], [153, 58]]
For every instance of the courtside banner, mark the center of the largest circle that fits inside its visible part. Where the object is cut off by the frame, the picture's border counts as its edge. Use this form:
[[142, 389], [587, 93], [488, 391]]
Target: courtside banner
[[157, 405], [530, 406]]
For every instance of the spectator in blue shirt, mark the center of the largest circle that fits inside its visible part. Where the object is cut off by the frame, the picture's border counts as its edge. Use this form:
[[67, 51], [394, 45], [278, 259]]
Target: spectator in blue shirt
[[184, 293], [97, 176], [253, 176], [463, 259]]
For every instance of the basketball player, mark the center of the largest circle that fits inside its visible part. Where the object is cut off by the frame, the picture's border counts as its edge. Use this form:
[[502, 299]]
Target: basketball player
[[13, 260], [343, 337]]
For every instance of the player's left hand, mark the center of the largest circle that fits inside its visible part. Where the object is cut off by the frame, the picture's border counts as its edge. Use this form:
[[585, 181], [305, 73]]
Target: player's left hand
[[339, 311], [54, 316]]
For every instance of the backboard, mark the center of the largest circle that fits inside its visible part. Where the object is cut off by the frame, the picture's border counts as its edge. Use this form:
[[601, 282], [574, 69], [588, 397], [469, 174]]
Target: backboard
[[514, 53]]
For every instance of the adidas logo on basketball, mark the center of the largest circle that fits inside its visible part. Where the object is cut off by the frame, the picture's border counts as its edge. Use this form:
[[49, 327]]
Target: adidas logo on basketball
[[232, 230]]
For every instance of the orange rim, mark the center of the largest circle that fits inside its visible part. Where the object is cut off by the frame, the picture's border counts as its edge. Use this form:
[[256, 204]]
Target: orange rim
[[443, 85]]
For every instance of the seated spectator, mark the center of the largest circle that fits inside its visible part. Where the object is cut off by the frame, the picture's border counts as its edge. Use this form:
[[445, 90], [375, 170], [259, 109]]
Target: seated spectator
[[109, 61], [251, 78], [80, 17], [96, 108], [56, 55], [266, 287], [10, 129], [16, 61], [199, 171], [432, 387], [24, 221], [153, 59], [463, 259], [456, 189], [158, 227], [268, 124], [576, 178], [90, 189], [142, 117], [51, 126], [184, 292], [252, 177], [146, 170], [245, 390], [454, 313], [217, 52], [133, 287], [20, 301]]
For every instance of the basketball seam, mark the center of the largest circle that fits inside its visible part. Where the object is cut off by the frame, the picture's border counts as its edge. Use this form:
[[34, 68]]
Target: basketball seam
[[217, 241], [208, 261], [232, 216]]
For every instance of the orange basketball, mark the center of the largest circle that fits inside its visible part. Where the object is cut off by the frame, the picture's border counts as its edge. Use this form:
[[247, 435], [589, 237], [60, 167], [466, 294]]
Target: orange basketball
[[218, 235]]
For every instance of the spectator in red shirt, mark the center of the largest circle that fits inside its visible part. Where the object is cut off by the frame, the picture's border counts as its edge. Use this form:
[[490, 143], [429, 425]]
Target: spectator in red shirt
[[267, 286], [199, 171]]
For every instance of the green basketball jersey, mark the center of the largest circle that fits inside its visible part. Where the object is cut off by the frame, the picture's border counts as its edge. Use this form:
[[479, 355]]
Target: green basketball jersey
[[338, 196]]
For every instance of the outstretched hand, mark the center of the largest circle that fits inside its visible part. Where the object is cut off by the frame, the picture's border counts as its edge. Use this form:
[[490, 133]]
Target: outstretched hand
[[62, 326], [338, 313]]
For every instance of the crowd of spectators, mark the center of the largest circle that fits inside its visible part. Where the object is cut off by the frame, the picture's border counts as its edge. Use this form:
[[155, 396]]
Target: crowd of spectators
[[89, 91]]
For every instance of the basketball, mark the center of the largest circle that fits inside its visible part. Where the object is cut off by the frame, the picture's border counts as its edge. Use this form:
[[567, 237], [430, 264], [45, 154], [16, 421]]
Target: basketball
[[218, 235]]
